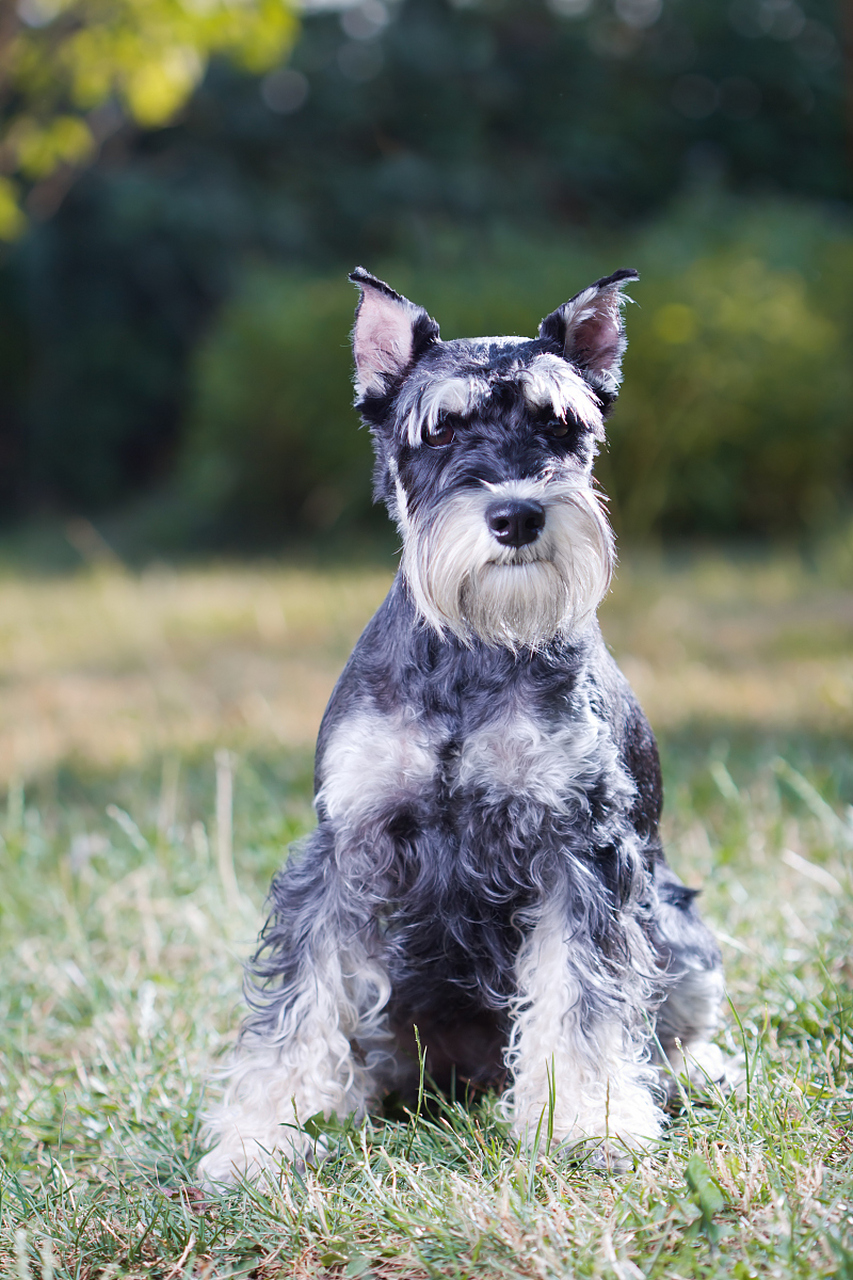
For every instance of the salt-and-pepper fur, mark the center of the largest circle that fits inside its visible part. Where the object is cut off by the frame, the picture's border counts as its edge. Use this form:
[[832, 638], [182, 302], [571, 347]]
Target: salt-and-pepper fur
[[486, 865]]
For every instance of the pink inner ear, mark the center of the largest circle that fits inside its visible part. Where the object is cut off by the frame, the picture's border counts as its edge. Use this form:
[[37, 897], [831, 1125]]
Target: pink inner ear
[[382, 340], [597, 343]]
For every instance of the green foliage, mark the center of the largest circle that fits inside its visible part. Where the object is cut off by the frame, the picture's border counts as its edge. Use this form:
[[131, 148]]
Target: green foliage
[[272, 446], [425, 107], [62, 60], [390, 122], [706, 1195], [738, 393], [543, 110]]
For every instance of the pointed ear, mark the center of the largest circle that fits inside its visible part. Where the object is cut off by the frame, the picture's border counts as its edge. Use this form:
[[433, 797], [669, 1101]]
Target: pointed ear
[[589, 331], [390, 333]]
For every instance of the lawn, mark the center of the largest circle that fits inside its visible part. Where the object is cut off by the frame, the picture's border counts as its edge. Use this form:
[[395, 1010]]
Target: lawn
[[136, 705]]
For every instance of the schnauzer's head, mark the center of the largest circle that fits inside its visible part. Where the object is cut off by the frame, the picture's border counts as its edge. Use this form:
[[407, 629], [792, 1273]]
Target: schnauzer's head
[[484, 452]]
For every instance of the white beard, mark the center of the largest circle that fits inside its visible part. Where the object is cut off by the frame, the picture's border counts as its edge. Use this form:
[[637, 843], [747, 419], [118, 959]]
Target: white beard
[[465, 582]]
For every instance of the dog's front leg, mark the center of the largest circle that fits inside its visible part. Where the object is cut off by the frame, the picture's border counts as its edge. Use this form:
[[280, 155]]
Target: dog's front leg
[[316, 1038], [576, 1051]]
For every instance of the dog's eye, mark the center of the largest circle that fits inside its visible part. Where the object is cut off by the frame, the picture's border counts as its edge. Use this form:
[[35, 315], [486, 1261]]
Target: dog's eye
[[441, 434], [556, 428]]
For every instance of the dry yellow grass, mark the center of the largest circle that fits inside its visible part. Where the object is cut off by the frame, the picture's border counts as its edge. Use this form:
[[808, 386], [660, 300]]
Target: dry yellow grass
[[108, 668], [754, 645]]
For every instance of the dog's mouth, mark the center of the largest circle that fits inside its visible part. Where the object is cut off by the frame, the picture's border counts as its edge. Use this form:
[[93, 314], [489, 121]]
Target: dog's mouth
[[519, 558]]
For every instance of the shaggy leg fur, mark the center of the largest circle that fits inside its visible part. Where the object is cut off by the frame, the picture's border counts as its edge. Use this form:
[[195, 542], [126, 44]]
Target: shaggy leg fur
[[316, 1041], [688, 1017], [601, 1086]]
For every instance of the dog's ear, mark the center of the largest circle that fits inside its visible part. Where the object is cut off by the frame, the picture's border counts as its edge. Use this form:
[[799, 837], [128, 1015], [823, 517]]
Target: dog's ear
[[390, 333], [588, 330]]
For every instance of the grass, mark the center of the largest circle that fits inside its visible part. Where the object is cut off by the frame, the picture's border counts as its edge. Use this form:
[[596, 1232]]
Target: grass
[[122, 938]]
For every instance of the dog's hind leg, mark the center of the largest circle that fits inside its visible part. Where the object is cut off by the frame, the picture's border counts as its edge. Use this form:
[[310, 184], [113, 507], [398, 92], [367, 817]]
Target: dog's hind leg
[[687, 1018], [317, 1037], [577, 1050]]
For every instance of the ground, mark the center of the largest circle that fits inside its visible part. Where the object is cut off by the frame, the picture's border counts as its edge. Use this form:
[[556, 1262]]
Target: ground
[[127, 909]]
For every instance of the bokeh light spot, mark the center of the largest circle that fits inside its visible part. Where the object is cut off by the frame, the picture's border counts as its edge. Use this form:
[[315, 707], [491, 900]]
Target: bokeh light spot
[[676, 323]]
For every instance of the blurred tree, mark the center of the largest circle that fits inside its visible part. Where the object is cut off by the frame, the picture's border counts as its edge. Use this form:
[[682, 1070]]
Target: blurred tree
[[71, 70], [390, 117], [394, 127]]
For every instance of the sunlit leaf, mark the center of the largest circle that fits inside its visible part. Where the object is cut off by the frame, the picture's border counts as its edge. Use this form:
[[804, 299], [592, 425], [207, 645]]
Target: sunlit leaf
[[146, 55], [12, 221]]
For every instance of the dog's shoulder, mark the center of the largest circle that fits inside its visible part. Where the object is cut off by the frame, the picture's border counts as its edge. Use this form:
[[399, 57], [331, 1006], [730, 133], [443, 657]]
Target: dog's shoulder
[[374, 670], [632, 734]]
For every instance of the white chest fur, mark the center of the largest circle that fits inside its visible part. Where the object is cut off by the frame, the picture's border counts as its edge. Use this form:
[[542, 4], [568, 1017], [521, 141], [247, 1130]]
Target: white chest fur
[[554, 766], [374, 762]]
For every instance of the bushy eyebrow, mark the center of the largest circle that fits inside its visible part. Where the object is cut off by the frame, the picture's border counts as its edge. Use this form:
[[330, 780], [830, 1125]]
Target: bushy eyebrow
[[454, 394], [547, 382]]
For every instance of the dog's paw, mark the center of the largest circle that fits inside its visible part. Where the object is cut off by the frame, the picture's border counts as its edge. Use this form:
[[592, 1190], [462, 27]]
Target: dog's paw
[[235, 1160], [605, 1155], [704, 1069], [610, 1142]]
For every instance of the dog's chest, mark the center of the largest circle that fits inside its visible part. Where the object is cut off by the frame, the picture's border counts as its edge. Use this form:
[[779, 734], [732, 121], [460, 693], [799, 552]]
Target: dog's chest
[[376, 764]]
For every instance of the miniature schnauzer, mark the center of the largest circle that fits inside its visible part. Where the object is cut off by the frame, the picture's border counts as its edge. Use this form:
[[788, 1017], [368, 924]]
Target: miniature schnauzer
[[486, 866]]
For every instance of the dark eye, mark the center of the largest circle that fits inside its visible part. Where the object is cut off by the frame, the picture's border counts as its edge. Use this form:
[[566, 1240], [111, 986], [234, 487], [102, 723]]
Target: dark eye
[[557, 428], [441, 434]]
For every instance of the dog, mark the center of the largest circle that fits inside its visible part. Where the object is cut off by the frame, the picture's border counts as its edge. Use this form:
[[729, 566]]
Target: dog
[[486, 867]]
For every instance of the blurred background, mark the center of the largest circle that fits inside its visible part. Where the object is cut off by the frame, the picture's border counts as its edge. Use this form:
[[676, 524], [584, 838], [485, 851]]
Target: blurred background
[[183, 188]]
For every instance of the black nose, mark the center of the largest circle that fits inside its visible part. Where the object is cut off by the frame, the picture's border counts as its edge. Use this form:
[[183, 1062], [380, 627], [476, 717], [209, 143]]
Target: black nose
[[515, 523]]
